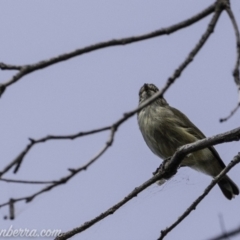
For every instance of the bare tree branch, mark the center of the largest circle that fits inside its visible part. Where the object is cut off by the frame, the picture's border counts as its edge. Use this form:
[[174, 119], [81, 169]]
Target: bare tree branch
[[65, 179], [232, 112], [26, 69], [4, 66], [18, 160], [237, 34], [237, 64], [170, 168], [11, 209], [25, 181], [223, 236], [193, 206]]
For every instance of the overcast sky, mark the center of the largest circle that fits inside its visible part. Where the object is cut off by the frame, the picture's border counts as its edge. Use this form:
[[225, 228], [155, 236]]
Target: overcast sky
[[94, 90]]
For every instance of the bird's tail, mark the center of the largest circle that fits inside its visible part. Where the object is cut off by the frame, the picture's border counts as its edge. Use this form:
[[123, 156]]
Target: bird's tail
[[228, 187]]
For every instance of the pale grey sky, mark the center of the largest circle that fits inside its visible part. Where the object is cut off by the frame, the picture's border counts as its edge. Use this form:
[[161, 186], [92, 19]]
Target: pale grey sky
[[94, 90]]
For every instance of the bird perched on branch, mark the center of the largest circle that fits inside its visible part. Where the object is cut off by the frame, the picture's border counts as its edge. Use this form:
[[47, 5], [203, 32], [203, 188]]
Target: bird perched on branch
[[165, 129]]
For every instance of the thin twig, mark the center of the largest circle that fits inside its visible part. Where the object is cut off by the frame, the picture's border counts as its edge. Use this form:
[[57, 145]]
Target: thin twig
[[18, 160], [25, 181], [223, 236], [65, 179], [201, 197], [5, 66], [231, 114], [222, 225], [171, 167], [11, 209], [26, 69], [237, 63], [237, 35]]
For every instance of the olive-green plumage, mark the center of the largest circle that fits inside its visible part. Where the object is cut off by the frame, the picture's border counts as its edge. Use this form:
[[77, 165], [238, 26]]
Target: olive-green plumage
[[165, 129]]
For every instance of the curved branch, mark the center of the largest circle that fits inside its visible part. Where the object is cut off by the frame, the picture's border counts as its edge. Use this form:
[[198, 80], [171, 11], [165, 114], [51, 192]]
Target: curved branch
[[26, 69], [64, 180], [18, 160], [237, 35], [193, 206], [232, 112], [237, 63]]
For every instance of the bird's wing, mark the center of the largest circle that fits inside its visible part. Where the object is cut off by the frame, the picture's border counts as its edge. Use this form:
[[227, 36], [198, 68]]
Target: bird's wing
[[192, 129]]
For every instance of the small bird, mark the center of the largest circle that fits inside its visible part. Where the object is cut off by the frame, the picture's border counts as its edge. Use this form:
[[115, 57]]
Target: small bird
[[165, 129]]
